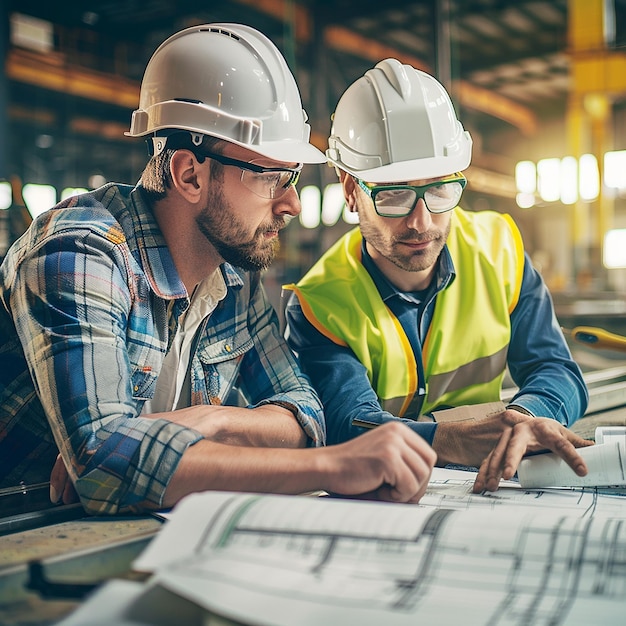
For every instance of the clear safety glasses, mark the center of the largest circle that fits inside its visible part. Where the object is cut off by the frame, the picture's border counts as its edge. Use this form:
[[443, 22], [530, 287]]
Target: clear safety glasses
[[266, 182], [400, 200]]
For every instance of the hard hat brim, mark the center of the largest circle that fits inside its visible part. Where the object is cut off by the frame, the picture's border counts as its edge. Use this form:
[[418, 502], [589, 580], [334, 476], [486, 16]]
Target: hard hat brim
[[287, 152], [415, 169]]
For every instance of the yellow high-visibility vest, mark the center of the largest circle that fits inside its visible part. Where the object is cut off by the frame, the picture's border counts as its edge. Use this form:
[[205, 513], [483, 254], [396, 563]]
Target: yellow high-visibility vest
[[464, 353]]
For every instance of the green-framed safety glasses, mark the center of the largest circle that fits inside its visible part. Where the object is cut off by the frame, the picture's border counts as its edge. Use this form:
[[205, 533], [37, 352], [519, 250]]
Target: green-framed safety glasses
[[399, 200]]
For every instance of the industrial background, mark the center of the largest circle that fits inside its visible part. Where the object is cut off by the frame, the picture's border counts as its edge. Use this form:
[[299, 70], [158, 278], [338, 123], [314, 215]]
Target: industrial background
[[532, 82], [541, 86]]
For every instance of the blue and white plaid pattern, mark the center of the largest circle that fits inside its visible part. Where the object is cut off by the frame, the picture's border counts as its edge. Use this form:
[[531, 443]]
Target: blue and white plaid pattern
[[89, 298]]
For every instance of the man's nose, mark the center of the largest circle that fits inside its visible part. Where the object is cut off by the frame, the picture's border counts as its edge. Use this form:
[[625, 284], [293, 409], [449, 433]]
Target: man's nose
[[288, 203], [420, 218]]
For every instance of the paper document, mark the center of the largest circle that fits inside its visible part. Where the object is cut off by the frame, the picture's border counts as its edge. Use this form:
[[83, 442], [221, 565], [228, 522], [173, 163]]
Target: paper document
[[504, 559], [606, 462], [605, 434]]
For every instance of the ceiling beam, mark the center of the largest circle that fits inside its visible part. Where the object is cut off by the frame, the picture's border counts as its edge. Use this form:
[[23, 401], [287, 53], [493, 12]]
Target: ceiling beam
[[52, 71], [285, 11], [486, 101], [470, 96], [343, 39]]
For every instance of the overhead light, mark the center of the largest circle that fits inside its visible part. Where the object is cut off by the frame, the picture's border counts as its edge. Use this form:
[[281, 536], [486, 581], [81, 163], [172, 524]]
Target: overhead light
[[72, 191], [6, 195], [31, 33], [90, 18], [310, 198], [614, 168], [525, 200], [526, 177], [548, 179], [589, 177], [568, 180], [96, 180], [614, 249], [39, 198], [332, 204]]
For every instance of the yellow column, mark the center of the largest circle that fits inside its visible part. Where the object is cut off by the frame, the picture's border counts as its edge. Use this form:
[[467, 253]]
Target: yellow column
[[598, 75], [579, 218]]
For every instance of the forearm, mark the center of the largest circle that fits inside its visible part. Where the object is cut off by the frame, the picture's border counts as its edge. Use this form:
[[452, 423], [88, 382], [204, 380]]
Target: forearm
[[209, 465], [389, 463], [553, 390], [268, 426]]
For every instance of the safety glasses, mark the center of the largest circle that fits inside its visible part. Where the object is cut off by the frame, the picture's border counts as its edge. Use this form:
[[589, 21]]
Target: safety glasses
[[400, 200], [266, 182]]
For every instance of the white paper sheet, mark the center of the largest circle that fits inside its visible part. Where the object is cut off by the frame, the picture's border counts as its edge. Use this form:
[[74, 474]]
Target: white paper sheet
[[515, 557], [606, 462], [280, 560]]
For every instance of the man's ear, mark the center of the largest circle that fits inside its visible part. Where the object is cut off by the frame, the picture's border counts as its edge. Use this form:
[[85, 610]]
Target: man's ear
[[186, 175], [349, 190]]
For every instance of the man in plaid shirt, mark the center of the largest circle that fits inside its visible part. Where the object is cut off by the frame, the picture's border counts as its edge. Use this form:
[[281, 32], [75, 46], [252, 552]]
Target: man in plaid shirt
[[139, 354]]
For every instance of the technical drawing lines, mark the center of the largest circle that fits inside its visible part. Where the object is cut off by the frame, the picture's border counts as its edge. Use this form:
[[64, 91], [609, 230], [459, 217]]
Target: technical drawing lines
[[582, 558]]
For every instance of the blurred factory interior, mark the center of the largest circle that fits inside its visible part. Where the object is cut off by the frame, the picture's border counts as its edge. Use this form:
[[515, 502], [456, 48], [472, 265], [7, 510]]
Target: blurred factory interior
[[541, 86]]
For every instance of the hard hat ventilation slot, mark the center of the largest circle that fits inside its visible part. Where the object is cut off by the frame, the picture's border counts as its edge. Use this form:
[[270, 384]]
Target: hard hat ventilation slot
[[188, 100], [221, 31]]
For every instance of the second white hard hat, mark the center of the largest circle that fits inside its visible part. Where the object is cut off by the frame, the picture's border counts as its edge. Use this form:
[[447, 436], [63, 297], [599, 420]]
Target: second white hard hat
[[228, 81], [397, 123]]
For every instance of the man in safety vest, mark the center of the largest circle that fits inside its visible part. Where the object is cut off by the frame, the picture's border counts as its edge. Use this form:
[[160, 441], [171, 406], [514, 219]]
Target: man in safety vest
[[417, 313]]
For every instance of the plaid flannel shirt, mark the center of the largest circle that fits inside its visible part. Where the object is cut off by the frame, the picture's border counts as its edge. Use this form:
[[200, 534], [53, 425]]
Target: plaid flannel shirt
[[90, 297]]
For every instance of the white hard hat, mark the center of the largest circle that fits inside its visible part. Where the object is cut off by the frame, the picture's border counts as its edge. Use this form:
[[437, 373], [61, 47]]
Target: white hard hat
[[395, 124], [227, 81]]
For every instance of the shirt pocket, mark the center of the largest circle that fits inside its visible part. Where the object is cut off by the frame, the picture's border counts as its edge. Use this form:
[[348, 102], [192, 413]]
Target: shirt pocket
[[220, 361], [144, 383], [229, 348]]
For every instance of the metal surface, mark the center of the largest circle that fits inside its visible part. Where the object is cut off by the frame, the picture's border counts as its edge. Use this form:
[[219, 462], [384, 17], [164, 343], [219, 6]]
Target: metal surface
[[81, 552], [39, 518]]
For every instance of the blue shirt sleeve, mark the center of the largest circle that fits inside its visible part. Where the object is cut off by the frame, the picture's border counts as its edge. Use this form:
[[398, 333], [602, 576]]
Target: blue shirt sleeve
[[550, 382], [340, 380]]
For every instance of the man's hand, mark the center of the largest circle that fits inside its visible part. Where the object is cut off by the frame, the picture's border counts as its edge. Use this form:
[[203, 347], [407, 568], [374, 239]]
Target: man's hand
[[469, 442], [389, 463], [540, 433], [497, 444], [61, 488]]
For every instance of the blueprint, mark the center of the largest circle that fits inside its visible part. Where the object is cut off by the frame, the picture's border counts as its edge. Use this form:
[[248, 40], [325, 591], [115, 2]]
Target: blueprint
[[513, 557]]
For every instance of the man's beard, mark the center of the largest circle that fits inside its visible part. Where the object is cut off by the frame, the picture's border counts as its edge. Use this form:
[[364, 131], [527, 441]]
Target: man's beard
[[387, 246], [230, 238]]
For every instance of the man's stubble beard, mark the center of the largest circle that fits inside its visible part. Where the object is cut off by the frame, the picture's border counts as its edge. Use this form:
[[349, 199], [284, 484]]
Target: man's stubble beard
[[230, 238], [410, 261]]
